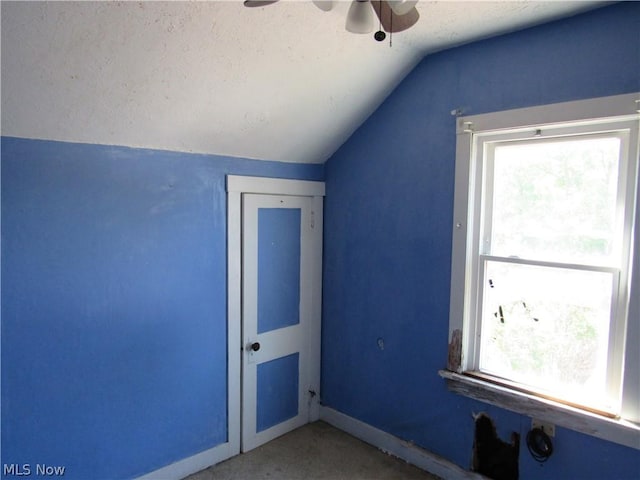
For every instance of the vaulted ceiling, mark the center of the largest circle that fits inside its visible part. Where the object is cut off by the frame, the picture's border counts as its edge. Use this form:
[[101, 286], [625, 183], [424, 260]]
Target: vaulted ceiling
[[282, 82]]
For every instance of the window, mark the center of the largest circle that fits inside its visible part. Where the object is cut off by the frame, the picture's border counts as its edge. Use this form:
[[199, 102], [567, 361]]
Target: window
[[543, 257]]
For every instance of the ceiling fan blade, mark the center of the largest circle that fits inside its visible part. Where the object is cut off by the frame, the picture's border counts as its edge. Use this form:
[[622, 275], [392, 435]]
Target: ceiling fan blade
[[324, 5], [392, 22], [258, 3]]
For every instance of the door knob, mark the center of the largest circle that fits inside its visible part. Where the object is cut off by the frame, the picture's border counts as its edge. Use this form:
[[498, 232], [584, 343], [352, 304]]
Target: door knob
[[255, 346]]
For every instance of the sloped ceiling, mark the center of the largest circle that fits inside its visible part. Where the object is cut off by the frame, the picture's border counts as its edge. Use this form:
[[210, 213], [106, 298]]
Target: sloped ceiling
[[284, 82]]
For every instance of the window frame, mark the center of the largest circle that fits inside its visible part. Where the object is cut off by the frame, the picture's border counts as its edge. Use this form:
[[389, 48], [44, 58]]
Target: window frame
[[483, 160], [580, 116]]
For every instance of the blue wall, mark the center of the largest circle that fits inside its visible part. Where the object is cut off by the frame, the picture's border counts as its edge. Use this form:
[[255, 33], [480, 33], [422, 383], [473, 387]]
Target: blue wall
[[388, 224], [114, 304]]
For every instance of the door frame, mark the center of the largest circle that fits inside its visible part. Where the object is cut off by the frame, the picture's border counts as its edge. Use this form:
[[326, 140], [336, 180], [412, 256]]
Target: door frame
[[236, 187]]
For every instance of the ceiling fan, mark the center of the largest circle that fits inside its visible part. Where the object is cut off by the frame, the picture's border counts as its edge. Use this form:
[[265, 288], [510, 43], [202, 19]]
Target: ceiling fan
[[394, 15]]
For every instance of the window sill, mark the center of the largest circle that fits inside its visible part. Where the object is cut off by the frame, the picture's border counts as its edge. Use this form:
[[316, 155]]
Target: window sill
[[614, 430]]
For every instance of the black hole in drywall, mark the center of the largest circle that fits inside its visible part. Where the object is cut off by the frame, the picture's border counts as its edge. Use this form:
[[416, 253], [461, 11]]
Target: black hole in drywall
[[493, 457]]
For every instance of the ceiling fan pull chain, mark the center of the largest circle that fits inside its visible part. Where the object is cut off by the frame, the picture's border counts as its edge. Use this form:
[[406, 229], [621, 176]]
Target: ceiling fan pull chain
[[390, 28], [379, 35]]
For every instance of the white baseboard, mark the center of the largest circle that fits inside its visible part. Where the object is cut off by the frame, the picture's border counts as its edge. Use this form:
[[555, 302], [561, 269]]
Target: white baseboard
[[189, 465], [395, 446], [384, 441]]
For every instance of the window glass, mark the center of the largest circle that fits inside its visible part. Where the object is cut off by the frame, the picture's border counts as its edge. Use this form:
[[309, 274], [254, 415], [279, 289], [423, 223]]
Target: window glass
[[555, 200], [548, 328]]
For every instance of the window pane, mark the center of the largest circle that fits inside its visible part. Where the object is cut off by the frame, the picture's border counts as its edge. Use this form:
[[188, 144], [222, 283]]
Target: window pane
[[556, 199], [547, 328]]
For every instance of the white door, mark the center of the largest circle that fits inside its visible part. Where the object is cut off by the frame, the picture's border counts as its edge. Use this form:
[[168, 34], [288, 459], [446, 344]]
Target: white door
[[280, 334]]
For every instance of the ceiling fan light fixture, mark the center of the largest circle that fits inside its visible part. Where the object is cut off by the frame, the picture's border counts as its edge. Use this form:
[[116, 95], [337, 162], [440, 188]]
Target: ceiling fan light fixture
[[360, 17], [402, 7], [324, 5], [258, 3]]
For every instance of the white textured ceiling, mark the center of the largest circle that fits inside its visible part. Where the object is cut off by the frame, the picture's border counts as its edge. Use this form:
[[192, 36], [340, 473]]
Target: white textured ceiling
[[284, 82]]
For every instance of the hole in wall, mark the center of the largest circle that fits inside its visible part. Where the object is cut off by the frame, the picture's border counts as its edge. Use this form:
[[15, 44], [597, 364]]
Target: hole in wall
[[493, 457]]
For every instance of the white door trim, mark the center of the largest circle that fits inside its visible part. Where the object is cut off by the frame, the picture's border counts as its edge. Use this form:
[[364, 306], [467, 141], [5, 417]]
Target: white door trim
[[274, 186], [236, 186]]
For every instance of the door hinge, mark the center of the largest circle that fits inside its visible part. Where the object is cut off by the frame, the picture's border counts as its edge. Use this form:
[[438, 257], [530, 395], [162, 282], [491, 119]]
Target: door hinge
[[312, 393], [313, 219]]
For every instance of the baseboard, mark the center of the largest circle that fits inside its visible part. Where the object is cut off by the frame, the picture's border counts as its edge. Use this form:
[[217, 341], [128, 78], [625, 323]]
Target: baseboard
[[384, 441], [395, 446], [189, 465]]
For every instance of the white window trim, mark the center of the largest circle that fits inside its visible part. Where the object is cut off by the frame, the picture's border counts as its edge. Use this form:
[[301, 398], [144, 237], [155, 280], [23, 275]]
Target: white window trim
[[622, 431]]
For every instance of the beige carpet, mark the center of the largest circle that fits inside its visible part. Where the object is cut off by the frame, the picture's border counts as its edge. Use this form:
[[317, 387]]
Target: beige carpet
[[316, 451]]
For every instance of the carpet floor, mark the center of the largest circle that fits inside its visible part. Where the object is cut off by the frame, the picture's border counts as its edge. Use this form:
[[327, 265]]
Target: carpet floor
[[316, 451]]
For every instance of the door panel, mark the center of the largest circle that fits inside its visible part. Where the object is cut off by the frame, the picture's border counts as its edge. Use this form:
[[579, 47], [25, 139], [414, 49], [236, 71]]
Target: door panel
[[276, 313], [277, 391], [278, 268]]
